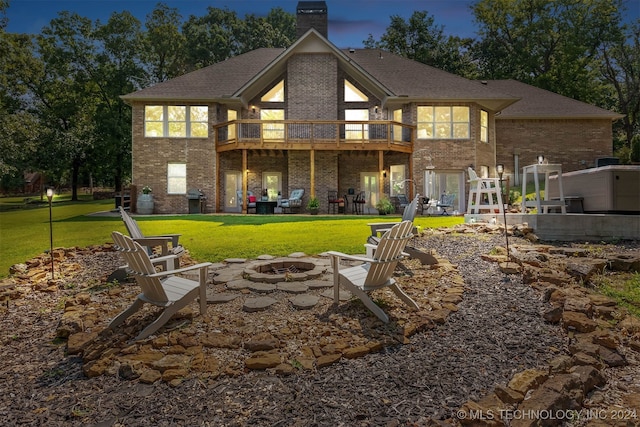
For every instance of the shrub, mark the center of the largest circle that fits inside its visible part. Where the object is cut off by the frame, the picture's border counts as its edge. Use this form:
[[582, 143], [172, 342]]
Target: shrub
[[384, 206]]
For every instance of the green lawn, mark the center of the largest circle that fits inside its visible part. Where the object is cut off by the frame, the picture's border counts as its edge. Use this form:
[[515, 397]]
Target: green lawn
[[24, 230]]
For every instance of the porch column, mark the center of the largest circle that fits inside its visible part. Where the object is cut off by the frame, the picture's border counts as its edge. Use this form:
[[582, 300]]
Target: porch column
[[245, 178], [411, 177], [312, 169], [380, 174], [218, 206]]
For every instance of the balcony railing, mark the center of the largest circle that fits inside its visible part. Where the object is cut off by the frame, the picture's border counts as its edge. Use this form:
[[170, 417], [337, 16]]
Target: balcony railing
[[317, 135]]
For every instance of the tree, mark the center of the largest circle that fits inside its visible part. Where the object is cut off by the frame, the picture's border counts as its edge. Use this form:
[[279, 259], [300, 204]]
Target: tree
[[619, 67], [4, 5], [118, 68], [65, 95], [277, 29], [421, 40], [164, 45], [211, 38], [19, 128], [551, 45]]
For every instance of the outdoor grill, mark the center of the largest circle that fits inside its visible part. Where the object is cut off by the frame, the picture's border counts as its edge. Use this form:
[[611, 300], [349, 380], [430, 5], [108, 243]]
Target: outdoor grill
[[196, 200]]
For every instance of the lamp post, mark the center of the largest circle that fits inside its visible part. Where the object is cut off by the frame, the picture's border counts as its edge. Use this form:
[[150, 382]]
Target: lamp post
[[415, 187], [500, 170], [50, 198]]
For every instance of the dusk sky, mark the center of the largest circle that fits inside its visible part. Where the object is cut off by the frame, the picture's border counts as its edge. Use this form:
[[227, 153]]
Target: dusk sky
[[350, 21]]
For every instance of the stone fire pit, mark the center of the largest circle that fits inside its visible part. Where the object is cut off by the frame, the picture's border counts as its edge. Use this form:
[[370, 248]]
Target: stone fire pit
[[284, 270]]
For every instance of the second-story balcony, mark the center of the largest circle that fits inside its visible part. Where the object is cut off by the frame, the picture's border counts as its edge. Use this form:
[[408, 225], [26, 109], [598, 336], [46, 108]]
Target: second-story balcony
[[314, 135]]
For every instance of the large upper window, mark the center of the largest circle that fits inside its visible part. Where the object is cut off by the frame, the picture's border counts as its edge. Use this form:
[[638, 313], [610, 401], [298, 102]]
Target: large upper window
[[484, 126], [275, 94], [176, 178], [231, 116], [359, 131], [353, 94], [176, 121], [272, 130], [397, 130], [443, 122]]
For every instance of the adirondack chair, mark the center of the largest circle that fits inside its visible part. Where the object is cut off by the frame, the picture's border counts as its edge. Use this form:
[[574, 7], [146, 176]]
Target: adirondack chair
[[164, 289], [122, 273], [408, 214], [167, 242], [376, 272]]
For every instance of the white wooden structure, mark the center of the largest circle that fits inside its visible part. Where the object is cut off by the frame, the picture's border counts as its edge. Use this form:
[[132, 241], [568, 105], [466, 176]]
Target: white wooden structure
[[376, 272], [163, 289]]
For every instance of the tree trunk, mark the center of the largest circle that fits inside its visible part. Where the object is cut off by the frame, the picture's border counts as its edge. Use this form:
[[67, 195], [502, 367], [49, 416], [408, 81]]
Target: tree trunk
[[75, 171]]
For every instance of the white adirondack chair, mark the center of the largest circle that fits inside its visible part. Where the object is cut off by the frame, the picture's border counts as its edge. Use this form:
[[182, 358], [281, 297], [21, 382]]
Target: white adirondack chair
[[163, 289], [167, 242], [375, 272], [408, 214]]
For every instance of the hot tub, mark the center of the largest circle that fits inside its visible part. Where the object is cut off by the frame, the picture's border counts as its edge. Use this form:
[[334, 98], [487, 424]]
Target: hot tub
[[607, 189]]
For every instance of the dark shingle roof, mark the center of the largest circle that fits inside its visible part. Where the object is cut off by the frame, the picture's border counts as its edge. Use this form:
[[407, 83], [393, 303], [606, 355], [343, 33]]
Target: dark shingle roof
[[416, 80], [395, 76], [216, 81], [542, 104]]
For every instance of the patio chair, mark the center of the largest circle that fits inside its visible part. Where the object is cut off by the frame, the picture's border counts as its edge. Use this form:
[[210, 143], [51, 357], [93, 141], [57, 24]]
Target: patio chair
[[375, 272], [164, 289], [122, 273], [251, 200], [425, 204], [403, 202], [168, 243], [409, 214], [334, 200], [359, 202], [445, 202], [294, 201]]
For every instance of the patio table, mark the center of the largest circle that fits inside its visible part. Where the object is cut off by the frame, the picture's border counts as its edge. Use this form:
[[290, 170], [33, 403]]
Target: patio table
[[542, 205]]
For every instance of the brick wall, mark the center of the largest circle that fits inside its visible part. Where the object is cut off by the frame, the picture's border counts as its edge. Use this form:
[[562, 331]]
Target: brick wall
[[299, 167], [573, 143], [312, 90], [150, 157], [326, 171]]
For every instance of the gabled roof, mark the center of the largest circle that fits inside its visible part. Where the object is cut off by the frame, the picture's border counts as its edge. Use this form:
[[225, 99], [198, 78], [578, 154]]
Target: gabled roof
[[311, 42], [412, 81], [542, 104], [392, 78], [216, 82]]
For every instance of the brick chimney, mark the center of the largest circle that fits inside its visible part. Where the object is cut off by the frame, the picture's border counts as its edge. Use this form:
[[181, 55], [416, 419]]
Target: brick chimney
[[311, 14]]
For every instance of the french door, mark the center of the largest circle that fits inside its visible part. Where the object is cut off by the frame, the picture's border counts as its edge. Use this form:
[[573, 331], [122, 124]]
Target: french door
[[232, 188], [369, 184]]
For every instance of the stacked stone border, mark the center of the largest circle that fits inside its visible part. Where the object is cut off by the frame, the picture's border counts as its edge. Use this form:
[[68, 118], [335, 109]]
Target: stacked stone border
[[601, 335]]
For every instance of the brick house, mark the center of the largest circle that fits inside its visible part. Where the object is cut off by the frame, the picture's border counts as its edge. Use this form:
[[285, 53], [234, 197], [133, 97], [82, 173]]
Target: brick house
[[319, 118]]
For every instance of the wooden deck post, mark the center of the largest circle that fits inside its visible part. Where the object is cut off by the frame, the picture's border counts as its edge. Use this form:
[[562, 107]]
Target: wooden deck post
[[312, 159], [380, 174], [245, 178]]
